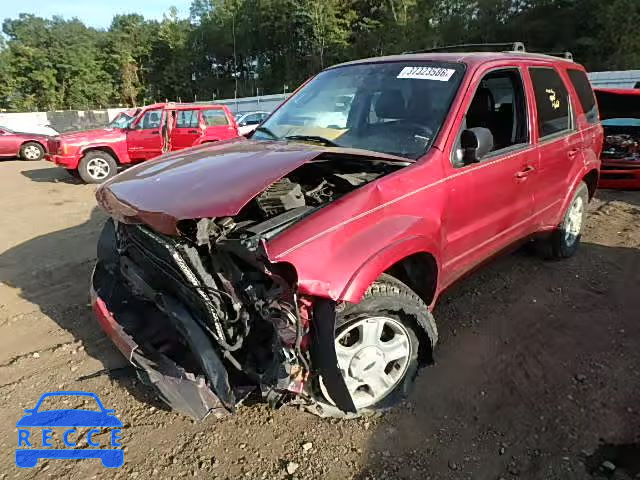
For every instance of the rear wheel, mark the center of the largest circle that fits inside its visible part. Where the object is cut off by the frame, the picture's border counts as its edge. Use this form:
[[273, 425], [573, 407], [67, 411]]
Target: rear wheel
[[378, 342], [97, 166], [31, 151], [565, 239]]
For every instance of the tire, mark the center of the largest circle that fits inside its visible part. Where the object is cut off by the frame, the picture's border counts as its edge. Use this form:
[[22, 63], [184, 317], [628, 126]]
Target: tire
[[31, 151], [565, 239], [97, 166], [405, 320]]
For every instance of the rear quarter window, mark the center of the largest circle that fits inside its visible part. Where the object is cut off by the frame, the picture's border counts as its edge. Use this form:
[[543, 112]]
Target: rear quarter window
[[214, 118], [585, 94], [552, 101]]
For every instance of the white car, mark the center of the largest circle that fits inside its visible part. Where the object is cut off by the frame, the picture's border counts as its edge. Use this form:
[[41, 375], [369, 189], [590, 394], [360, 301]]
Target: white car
[[248, 121]]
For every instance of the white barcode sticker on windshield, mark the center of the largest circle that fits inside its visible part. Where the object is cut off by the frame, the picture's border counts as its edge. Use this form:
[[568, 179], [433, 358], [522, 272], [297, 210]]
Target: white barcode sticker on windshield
[[427, 73]]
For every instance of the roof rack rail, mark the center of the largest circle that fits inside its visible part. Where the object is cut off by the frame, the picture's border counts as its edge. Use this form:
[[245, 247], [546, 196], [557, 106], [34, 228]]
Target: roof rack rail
[[495, 47], [565, 55]]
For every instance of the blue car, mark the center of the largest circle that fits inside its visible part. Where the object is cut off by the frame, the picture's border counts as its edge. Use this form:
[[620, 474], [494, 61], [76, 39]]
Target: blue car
[[73, 418]]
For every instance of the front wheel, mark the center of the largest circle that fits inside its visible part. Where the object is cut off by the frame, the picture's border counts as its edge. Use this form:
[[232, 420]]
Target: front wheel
[[97, 166], [31, 151], [378, 342]]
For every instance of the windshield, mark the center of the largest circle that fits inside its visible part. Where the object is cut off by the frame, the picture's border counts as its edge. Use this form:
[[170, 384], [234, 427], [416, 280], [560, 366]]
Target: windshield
[[122, 120], [395, 108]]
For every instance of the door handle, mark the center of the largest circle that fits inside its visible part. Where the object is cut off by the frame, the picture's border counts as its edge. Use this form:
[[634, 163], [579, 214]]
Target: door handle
[[193, 131], [155, 132], [573, 152], [524, 173]]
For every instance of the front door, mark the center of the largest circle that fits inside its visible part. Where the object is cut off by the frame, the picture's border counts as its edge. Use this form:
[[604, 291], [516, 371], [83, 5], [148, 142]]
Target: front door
[[490, 202], [144, 140], [187, 129]]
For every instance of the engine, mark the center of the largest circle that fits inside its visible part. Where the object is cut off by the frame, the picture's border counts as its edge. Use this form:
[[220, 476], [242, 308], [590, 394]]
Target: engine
[[312, 185]]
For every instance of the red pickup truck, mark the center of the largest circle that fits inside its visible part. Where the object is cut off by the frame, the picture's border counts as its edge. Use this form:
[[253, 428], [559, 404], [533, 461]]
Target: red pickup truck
[[96, 155]]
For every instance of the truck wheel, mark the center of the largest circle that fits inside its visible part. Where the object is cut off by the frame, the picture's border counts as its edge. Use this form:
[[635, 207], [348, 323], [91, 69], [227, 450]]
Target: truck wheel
[[97, 166], [31, 151], [565, 239], [377, 344]]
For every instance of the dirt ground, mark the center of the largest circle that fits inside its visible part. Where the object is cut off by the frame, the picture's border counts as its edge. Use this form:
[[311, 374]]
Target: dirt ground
[[537, 375]]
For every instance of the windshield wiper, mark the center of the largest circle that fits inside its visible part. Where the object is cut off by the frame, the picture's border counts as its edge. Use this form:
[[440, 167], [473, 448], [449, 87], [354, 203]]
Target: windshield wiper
[[312, 138], [267, 131]]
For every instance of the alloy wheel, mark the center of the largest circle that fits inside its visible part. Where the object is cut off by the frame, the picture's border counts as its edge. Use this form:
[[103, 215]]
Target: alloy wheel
[[98, 168], [573, 223], [373, 356]]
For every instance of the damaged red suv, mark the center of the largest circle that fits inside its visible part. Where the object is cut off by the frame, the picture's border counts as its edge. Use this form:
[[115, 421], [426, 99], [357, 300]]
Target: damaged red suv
[[305, 262], [620, 115]]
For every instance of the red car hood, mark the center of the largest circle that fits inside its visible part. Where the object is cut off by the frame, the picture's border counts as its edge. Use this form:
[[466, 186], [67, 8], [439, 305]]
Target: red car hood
[[618, 102], [99, 134], [206, 181]]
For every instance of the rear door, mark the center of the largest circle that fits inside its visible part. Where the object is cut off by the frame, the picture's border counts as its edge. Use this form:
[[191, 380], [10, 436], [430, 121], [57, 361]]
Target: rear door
[[187, 129], [217, 125], [560, 143], [144, 140]]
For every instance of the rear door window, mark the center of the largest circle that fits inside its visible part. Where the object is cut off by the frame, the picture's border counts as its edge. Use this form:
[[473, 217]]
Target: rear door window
[[585, 94], [552, 101], [187, 119], [215, 118]]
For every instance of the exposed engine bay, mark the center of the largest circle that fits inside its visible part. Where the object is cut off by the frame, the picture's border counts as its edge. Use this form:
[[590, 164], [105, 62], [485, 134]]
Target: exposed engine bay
[[621, 143], [210, 317]]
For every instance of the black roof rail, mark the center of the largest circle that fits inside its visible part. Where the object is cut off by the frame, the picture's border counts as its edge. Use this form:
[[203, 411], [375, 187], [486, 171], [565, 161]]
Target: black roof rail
[[489, 47]]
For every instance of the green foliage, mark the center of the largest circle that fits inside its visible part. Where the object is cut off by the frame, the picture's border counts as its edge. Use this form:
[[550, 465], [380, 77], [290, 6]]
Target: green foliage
[[238, 47]]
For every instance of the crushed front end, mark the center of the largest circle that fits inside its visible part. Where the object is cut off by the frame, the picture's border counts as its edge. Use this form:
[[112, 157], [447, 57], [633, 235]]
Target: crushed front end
[[204, 326], [621, 157], [204, 314]]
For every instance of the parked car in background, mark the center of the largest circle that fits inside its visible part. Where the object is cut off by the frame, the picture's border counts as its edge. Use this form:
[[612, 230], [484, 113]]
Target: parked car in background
[[306, 260], [620, 115], [27, 146], [247, 122], [97, 155]]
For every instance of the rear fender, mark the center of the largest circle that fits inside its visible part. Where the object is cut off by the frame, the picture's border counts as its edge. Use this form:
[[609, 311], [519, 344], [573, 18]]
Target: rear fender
[[572, 191]]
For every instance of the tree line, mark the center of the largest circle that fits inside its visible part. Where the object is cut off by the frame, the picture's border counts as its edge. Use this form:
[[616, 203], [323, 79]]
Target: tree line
[[244, 47]]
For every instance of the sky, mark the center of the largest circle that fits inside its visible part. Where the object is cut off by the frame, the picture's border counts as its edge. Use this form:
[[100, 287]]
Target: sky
[[94, 13]]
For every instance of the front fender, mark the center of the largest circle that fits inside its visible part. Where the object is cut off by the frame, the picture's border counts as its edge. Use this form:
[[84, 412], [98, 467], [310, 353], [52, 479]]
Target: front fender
[[342, 265], [381, 261], [119, 152]]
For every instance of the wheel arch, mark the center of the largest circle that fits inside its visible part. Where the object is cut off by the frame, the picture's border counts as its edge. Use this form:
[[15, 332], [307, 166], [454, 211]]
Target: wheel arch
[[102, 148], [44, 147], [591, 180], [409, 260]]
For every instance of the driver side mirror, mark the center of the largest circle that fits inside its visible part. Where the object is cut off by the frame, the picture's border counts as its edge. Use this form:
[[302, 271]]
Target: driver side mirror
[[475, 144]]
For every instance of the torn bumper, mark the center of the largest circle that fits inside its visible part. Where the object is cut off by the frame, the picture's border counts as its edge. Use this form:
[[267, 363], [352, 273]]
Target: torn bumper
[[181, 390]]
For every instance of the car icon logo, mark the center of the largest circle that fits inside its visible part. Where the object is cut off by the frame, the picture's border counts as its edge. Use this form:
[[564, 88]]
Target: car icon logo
[[32, 447]]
